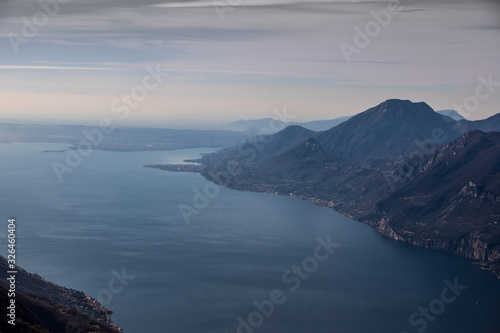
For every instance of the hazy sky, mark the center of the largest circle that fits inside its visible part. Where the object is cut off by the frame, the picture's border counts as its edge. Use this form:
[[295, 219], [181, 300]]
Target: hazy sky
[[231, 59]]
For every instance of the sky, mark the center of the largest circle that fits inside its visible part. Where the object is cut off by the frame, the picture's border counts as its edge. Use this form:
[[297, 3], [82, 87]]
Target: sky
[[209, 62]]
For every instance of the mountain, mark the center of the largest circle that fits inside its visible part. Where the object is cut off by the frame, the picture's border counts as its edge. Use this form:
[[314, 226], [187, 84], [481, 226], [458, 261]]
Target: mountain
[[452, 114], [431, 185], [491, 124], [264, 148], [305, 170], [401, 167], [255, 125], [448, 201], [389, 130]]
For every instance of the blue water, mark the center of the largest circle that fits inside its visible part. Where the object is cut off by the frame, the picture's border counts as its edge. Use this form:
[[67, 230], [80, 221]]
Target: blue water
[[110, 213]]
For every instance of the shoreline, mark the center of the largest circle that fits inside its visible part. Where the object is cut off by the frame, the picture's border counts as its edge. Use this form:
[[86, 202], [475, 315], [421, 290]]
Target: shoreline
[[43, 298], [381, 227], [467, 248]]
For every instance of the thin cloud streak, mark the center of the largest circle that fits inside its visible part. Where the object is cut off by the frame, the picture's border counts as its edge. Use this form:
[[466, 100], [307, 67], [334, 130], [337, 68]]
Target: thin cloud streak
[[226, 71], [246, 3], [24, 67]]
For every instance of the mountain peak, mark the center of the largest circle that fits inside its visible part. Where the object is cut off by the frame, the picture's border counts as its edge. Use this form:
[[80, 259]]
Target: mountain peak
[[292, 129], [395, 102], [400, 106], [391, 130]]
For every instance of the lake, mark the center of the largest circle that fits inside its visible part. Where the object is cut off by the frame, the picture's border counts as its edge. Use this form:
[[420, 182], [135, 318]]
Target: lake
[[246, 262]]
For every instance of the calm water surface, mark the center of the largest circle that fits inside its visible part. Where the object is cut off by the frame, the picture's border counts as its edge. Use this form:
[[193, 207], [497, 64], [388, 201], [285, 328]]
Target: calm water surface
[[110, 213]]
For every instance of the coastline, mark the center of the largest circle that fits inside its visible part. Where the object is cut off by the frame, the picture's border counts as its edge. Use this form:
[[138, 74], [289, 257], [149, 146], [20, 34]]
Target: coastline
[[471, 247], [54, 306]]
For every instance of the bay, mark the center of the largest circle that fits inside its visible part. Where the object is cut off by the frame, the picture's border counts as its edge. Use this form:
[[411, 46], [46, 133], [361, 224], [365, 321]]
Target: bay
[[110, 216]]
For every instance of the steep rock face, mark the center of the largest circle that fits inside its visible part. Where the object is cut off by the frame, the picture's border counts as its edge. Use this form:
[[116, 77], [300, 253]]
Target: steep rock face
[[471, 246], [453, 202]]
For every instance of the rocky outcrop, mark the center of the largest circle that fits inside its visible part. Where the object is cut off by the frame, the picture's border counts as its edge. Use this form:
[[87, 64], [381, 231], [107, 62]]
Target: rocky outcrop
[[470, 246]]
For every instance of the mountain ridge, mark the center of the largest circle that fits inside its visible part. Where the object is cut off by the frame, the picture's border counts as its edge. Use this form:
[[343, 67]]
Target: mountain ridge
[[256, 125]]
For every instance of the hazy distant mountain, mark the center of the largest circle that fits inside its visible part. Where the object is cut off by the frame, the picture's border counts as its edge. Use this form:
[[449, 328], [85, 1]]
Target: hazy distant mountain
[[268, 123], [323, 125], [491, 124], [254, 125], [389, 130], [452, 114], [488, 125]]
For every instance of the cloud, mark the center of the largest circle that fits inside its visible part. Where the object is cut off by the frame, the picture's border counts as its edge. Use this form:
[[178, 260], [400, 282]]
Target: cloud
[[90, 47], [29, 67], [226, 71], [257, 3]]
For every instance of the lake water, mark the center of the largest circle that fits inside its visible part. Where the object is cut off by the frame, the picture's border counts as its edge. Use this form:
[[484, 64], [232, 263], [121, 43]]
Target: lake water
[[111, 214]]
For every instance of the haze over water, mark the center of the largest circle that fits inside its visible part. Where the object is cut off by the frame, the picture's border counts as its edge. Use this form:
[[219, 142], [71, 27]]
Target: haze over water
[[113, 214]]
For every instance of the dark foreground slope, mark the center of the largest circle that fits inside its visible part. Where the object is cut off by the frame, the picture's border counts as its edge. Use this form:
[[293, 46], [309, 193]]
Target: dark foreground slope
[[43, 307]]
